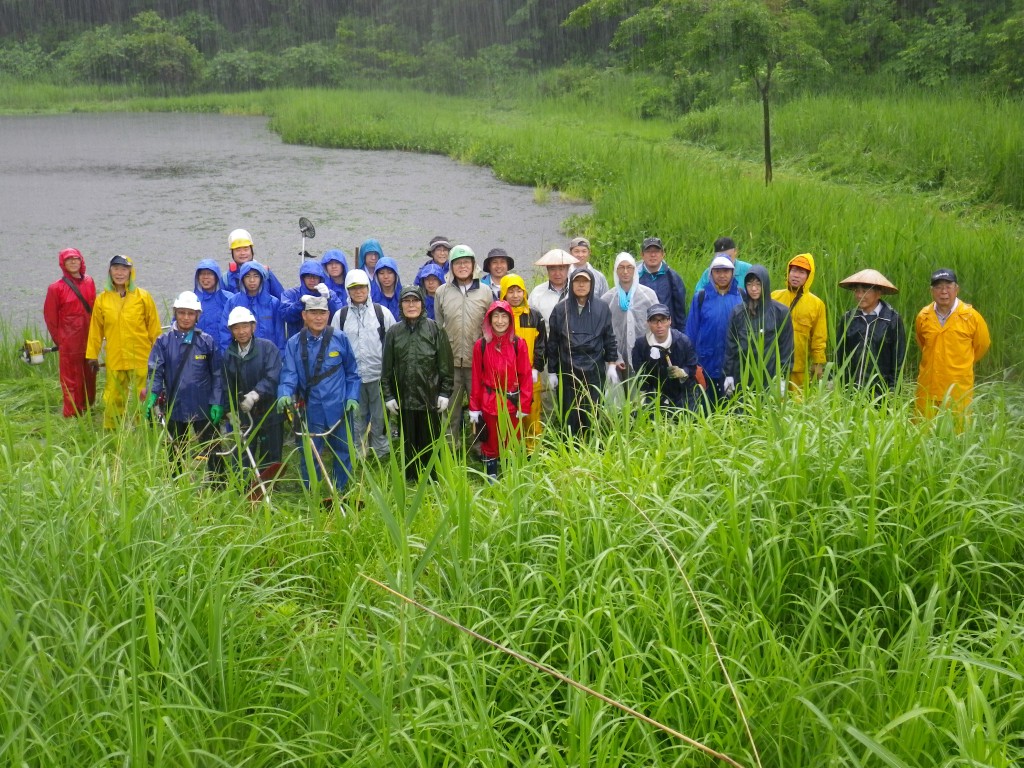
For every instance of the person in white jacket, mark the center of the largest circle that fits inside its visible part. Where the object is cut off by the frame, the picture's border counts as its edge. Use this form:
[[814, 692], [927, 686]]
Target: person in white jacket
[[365, 323]]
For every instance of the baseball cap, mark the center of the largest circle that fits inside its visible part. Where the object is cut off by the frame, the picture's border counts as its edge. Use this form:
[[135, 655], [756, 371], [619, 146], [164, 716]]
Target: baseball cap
[[120, 261], [721, 261], [313, 303], [658, 310], [578, 241], [940, 275], [652, 242]]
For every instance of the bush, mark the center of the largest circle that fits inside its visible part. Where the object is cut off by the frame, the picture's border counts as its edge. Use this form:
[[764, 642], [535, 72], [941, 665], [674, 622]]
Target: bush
[[310, 65], [206, 34], [25, 60], [164, 58], [98, 55], [242, 71], [1008, 67]]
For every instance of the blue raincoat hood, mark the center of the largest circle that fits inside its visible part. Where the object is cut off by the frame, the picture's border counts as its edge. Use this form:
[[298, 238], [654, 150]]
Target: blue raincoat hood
[[367, 247]]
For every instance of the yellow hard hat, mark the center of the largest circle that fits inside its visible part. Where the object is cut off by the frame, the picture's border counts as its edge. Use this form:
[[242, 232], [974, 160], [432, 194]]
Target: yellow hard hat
[[239, 238]]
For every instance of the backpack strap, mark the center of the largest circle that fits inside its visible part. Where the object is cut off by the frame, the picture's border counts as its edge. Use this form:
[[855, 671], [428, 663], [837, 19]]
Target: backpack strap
[[71, 284], [377, 310]]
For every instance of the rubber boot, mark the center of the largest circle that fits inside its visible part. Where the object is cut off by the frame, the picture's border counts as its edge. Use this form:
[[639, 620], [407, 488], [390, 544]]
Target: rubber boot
[[492, 470]]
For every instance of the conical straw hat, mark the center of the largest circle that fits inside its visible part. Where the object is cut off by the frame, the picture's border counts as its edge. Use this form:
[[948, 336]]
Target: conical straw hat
[[869, 277]]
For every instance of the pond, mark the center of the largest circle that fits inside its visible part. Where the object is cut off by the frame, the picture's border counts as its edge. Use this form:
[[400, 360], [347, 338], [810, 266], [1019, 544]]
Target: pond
[[167, 189]]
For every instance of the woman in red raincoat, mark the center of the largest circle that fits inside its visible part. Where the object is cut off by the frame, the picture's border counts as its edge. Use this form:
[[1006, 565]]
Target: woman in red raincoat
[[67, 311], [502, 383]]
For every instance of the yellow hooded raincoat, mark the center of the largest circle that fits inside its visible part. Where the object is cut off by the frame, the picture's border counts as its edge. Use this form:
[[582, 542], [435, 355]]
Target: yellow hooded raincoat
[[127, 327], [948, 355], [807, 313], [529, 326]]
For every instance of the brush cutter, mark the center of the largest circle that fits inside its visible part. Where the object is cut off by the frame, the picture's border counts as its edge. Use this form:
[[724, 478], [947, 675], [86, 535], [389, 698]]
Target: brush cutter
[[297, 416], [259, 490], [33, 350]]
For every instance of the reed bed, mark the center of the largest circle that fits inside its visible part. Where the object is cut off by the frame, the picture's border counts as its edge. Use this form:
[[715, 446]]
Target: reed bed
[[860, 574]]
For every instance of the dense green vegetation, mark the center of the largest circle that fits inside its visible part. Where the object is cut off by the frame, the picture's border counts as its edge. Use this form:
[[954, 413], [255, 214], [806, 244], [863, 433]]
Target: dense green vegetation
[[859, 572]]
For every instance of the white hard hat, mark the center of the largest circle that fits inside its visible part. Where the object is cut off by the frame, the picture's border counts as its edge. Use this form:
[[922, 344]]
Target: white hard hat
[[356, 277], [188, 300], [239, 238], [556, 258], [240, 315]]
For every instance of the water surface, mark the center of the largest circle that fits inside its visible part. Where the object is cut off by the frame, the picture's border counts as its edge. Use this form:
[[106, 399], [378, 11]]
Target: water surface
[[168, 188]]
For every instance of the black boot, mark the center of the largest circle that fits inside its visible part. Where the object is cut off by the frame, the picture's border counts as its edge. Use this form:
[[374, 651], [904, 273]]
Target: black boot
[[492, 470]]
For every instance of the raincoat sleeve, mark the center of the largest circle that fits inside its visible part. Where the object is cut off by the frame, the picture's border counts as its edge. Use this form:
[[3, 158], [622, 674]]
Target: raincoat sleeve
[[267, 386], [291, 305], [96, 331], [387, 374], [731, 366], [216, 363], [693, 318], [819, 337], [899, 351], [525, 375], [158, 366], [276, 289], [611, 347], [51, 313], [678, 307], [476, 388], [785, 340], [982, 339], [540, 344], [353, 383], [152, 319], [289, 371], [445, 364], [554, 339]]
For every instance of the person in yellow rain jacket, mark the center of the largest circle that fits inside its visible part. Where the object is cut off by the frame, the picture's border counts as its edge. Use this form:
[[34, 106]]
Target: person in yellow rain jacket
[[125, 319], [807, 313], [953, 336], [530, 327]]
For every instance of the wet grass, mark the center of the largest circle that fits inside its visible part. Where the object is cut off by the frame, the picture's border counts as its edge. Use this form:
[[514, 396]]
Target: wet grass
[[860, 574]]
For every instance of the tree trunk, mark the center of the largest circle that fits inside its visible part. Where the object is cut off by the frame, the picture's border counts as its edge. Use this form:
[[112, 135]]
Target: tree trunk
[[767, 133]]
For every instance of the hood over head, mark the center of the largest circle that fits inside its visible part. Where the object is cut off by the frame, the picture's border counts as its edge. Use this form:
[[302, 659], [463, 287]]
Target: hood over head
[[581, 274], [369, 245], [805, 261], [122, 260], [211, 265], [761, 273], [412, 290], [514, 280], [248, 267], [338, 255], [431, 269], [503, 306], [623, 258], [311, 267], [70, 253]]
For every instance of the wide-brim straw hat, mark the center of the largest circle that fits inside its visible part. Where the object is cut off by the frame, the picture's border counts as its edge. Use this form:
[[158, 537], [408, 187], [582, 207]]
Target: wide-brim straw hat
[[556, 258], [869, 277]]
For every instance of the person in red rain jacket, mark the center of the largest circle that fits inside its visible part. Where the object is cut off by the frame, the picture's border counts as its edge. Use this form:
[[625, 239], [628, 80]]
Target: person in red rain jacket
[[502, 382], [67, 311]]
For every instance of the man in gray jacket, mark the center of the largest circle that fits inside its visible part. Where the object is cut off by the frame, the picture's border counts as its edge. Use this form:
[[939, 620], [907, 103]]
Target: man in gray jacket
[[365, 324], [459, 307]]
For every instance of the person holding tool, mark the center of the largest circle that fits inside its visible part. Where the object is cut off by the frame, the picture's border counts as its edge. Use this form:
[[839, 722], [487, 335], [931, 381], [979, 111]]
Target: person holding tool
[[320, 380], [66, 311]]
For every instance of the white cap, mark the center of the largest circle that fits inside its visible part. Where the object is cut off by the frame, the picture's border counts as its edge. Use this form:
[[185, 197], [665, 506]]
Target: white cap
[[240, 315], [187, 300], [357, 277], [722, 262]]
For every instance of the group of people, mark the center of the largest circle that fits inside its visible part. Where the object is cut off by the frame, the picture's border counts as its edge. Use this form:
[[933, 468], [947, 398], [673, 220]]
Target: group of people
[[355, 354]]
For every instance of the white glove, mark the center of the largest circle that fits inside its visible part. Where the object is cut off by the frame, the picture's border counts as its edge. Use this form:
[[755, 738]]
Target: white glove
[[442, 403], [675, 372], [520, 415], [552, 381], [536, 374], [613, 374], [248, 401], [392, 406], [655, 353], [323, 290], [729, 386], [474, 416], [783, 386]]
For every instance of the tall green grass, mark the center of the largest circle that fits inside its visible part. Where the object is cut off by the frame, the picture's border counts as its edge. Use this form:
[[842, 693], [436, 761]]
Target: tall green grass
[[861, 574]]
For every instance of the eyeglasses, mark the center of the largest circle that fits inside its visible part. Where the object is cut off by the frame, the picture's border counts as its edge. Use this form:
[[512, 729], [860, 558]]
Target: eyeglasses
[[658, 319]]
